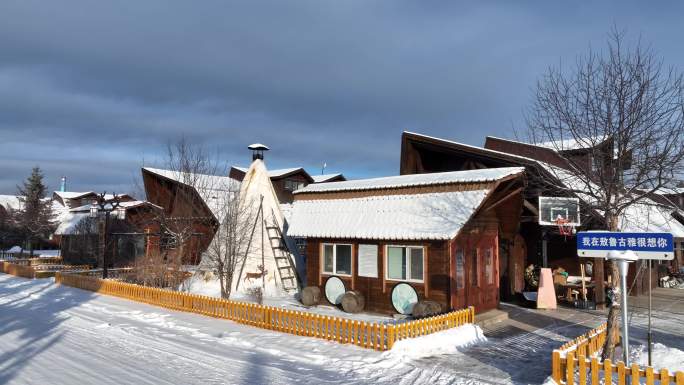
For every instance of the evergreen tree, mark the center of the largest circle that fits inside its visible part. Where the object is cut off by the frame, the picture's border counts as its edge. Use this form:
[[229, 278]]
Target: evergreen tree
[[35, 218]]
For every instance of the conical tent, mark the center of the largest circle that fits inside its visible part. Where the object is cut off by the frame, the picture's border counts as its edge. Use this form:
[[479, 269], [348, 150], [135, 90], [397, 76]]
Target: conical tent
[[269, 261]]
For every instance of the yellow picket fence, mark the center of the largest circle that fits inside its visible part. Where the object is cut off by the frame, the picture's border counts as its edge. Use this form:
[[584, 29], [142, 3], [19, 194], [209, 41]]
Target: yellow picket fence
[[365, 334], [578, 362], [37, 271], [18, 270]]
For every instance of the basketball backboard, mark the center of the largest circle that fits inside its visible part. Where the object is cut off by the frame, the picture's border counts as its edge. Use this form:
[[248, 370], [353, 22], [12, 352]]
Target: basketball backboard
[[551, 209]]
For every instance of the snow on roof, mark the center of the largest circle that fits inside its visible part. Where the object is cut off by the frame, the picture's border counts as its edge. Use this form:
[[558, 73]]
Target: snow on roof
[[571, 143], [389, 217], [203, 181], [657, 218], [10, 201], [468, 176], [215, 190], [258, 146], [647, 216], [670, 190], [325, 177], [477, 148], [274, 173], [643, 216], [559, 145], [73, 194], [126, 205], [67, 224]]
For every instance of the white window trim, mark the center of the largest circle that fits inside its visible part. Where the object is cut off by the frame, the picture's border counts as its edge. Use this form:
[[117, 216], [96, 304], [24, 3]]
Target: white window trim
[[322, 259], [408, 265]]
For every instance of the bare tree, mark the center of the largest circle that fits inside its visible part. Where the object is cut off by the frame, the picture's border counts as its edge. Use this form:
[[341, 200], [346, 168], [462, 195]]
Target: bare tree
[[181, 229], [236, 222], [626, 110]]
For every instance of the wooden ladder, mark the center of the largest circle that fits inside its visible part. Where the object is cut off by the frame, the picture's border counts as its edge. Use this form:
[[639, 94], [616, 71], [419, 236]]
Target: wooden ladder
[[283, 257]]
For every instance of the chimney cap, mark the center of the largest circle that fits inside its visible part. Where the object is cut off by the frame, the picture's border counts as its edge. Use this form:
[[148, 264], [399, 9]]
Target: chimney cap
[[258, 146]]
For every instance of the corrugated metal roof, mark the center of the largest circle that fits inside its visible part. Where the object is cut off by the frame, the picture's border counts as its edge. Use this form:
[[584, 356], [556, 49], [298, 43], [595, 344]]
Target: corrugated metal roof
[[438, 216], [469, 176]]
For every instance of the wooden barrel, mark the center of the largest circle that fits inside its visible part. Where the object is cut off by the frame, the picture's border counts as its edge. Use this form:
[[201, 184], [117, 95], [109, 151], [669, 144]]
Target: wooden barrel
[[311, 295], [353, 301]]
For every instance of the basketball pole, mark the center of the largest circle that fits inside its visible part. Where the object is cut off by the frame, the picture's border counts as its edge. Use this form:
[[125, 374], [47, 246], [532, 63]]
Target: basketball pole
[[650, 336]]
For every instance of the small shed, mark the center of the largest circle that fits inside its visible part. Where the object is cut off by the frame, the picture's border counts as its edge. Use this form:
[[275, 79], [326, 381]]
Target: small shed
[[438, 233]]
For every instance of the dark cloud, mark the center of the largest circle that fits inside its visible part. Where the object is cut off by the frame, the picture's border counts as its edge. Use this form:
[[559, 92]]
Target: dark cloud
[[90, 90]]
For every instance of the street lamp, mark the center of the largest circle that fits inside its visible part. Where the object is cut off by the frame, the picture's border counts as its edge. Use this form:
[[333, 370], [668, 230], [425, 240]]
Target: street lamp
[[101, 206]]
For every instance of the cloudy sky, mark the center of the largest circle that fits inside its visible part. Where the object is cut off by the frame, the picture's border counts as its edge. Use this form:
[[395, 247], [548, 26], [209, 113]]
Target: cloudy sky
[[91, 90]]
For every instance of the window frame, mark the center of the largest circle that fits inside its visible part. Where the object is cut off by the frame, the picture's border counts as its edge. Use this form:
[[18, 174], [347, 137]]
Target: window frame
[[334, 261], [408, 263]]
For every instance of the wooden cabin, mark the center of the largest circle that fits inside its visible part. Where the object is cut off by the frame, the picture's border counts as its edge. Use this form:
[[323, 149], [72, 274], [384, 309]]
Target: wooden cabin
[[188, 203], [541, 245], [439, 233]]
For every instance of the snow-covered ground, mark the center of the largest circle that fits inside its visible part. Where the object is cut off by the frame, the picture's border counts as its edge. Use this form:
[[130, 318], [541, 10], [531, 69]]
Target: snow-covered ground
[[202, 284], [662, 356], [61, 335]]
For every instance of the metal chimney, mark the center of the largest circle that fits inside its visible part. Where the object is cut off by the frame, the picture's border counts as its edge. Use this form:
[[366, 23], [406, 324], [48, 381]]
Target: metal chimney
[[258, 150], [62, 184]]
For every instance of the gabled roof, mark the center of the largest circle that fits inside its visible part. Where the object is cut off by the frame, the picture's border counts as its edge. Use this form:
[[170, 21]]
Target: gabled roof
[[127, 205], [327, 177], [559, 145], [572, 144], [384, 215], [279, 173], [414, 180], [10, 201], [390, 217], [73, 194], [79, 195], [212, 189]]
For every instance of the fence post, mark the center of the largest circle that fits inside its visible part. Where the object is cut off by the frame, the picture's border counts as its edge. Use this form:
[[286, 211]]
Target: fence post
[[664, 377], [679, 378], [570, 368], [582, 369], [390, 338], [594, 371]]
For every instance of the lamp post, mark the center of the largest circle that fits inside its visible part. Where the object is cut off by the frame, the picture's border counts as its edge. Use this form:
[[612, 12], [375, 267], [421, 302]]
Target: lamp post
[[102, 208]]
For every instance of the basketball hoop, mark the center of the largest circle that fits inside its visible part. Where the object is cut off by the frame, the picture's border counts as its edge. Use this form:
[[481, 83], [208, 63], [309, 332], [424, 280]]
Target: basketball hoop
[[564, 228]]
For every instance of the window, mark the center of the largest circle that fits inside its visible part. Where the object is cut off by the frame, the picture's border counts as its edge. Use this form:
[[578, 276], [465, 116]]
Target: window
[[474, 270], [460, 272], [405, 263], [292, 185], [337, 259], [489, 267]]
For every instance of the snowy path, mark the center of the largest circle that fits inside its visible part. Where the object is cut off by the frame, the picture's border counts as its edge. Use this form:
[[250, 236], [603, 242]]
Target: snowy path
[[60, 335]]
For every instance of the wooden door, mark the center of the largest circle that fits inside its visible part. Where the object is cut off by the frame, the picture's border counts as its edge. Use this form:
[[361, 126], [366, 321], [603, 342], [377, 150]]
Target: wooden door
[[474, 277], [489, 284], [482, 274]]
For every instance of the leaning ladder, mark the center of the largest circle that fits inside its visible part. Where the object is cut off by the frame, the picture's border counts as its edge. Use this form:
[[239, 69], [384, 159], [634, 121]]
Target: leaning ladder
[[283, 257]]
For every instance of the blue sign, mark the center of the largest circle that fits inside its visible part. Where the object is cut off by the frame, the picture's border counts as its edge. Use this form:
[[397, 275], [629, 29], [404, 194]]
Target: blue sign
[[645, 245]]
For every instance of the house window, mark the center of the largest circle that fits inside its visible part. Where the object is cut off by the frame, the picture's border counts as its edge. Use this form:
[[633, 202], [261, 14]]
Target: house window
[[489, 267], [337, 259], [474, 270], [292, 185], [460, 269], [405, 263]]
